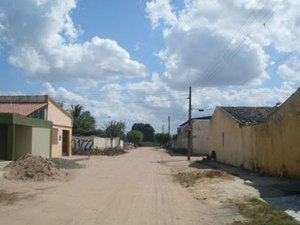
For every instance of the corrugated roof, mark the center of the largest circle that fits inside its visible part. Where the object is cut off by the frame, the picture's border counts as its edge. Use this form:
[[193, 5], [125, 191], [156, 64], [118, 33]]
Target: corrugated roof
[[249, 115], [21, 109]]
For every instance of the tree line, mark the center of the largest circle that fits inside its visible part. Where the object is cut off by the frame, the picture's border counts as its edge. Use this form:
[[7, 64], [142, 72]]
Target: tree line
[[84, 124]]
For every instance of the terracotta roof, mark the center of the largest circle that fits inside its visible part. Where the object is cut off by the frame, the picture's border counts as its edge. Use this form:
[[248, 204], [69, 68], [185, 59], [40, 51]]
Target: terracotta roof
[[249, 115], [21, 109]]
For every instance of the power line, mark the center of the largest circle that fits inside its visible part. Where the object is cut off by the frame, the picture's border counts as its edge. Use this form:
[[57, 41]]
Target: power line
[[244, 35]]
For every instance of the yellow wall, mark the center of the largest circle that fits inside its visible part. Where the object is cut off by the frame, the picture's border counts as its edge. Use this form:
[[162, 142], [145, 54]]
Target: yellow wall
[[278, 141], [272, 147], [233, 144], [61, 121]]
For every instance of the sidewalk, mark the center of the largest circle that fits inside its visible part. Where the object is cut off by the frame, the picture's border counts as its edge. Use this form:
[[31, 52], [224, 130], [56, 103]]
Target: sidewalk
[[282, 193]]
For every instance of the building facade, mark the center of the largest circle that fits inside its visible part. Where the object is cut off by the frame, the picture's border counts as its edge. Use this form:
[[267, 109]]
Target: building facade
[[45, 108], [20, 135], [199, 135], [263, 139]]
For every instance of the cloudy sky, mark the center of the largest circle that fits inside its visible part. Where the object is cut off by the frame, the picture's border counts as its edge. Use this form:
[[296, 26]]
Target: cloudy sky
[[135, 60]]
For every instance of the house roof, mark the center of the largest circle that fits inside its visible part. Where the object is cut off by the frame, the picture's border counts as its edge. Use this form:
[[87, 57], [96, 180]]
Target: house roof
[[197, 118], [21, 108], [27, 104], [249, 115]]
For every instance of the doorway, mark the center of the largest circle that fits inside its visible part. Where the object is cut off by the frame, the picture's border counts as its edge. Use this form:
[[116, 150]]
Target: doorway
[[65, 142], [3, 141]]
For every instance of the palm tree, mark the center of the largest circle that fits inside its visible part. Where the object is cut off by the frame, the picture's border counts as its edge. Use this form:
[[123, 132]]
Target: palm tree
[[76, 110]]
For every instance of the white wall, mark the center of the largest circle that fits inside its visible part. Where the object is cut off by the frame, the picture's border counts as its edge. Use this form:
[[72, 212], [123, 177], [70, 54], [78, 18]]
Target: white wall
[[41, 141], [92, 142], [200, 136]]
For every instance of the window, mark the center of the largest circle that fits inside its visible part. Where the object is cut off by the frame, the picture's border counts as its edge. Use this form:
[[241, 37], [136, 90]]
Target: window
[[54, 136]]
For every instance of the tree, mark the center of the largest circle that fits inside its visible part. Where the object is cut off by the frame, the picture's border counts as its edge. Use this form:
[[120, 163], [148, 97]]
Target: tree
[[146, 129], [83, 120], [115, 129], [162, 138], [134, 137], [76, 110]]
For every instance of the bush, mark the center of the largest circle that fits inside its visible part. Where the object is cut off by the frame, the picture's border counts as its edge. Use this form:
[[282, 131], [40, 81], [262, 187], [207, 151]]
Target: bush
[[134, 137], [162, 138]]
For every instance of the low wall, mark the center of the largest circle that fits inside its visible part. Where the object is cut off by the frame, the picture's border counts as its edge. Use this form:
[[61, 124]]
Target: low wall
[[93, 142]]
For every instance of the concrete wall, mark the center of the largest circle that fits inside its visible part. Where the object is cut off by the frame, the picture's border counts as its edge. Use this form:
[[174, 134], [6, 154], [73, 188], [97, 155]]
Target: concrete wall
[[23, 141], [93, 142], [200, 136], [41, 144]]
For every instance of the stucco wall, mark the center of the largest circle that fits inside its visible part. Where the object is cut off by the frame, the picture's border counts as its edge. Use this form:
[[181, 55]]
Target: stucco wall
[[61, 121], [278, 141], [271, 147], [233, 145], [57, 116], [41, 141], [200, 136], [23, 141]]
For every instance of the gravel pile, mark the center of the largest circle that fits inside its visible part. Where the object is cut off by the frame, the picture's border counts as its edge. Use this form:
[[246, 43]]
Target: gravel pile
[[107, 152], [33, 168], [66, 164]]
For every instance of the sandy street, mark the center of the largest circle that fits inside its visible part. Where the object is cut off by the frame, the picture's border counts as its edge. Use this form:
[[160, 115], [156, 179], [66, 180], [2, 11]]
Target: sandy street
[[131, 189]]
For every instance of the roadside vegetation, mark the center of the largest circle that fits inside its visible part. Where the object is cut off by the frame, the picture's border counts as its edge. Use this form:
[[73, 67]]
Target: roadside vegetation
[[257, 212], [189, 178]]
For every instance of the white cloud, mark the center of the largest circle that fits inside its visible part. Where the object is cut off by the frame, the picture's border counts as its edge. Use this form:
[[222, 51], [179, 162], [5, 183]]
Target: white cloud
[[290, 70], [43, 40], [160, 12], [140, 102], [222, 43]]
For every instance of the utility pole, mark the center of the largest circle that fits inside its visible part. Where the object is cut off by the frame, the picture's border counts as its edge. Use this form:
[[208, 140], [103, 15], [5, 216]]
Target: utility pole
[[163, 129], [169, 125], [189, 125]]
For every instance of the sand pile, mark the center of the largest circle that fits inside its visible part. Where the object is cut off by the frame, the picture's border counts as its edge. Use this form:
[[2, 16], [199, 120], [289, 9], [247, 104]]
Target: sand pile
[[34, 168]]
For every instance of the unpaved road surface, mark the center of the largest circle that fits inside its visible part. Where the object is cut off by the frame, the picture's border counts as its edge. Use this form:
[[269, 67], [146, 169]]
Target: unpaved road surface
[[131, 189]]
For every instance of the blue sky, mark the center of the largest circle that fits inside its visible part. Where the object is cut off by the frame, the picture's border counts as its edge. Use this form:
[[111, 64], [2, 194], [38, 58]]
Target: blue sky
[[134, 60]]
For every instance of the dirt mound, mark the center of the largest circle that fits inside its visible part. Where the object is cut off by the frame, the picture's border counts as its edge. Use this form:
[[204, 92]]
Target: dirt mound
[[34, 168]]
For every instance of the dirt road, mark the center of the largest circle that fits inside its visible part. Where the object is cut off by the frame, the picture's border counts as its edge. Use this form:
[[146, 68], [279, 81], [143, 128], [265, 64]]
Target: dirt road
[[131, 189]]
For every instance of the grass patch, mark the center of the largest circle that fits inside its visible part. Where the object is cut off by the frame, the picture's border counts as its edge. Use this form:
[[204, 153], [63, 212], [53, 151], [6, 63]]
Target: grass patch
[[260, 213], [188, 179]]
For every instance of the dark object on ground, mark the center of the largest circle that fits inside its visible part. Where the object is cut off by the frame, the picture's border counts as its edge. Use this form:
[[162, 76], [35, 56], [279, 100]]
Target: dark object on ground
[[34, 168], [66, 163], [213, 155], [107, 152]]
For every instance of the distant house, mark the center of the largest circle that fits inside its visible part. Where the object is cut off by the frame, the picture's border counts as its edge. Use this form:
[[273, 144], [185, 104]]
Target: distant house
[[232, 134], [45, 108], [264, 139], [20, 135], [200, 135]]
